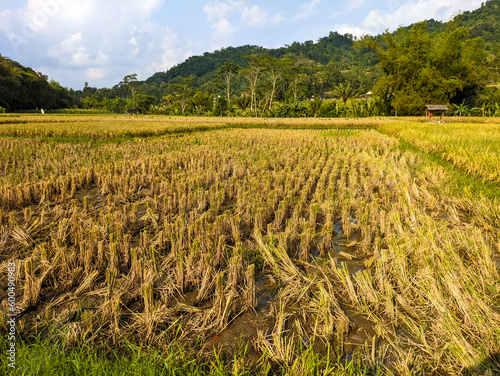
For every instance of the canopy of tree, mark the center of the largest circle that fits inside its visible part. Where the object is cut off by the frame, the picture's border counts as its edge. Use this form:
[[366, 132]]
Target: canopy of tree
[[420, 68], [22, 88]]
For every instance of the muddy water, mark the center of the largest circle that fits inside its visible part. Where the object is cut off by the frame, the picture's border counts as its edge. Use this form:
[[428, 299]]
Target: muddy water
[[362, 333], [241, 332], [344, 249]]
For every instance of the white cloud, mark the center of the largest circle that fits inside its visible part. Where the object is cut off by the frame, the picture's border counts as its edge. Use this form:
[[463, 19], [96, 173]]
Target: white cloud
[[42, 15], [217, 9], [307, 9], [405, 13], [5, 24], [171, 53], [256, 16], [218, 13], [71, 52], [227, 17], [147, 6], [95, 73], [356, 4], [98, 41]]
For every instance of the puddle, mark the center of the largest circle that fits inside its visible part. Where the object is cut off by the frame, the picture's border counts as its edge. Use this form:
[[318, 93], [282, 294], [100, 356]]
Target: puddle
[[90, 197], [264, 292], [363, 330], [343, 249], [241, 332], [362, 334]]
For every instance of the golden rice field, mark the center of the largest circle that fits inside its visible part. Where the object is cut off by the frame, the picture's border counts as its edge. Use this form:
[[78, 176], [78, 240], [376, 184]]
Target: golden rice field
[[473, 147], [255, 241], [106, 126]]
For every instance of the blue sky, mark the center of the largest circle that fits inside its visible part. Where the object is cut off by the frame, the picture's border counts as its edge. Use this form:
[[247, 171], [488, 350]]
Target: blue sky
[[101, 41]]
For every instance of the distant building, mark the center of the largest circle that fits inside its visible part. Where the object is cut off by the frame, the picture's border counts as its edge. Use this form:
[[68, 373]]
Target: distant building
[[366, 95]]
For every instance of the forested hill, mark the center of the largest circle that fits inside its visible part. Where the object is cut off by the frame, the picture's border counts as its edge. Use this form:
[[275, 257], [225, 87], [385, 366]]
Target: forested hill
[[22, 88], [483, 22], [209, 62], [333, 48]]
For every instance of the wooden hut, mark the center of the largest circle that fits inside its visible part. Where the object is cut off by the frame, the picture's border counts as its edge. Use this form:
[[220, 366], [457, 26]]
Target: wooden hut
[[435, 110]]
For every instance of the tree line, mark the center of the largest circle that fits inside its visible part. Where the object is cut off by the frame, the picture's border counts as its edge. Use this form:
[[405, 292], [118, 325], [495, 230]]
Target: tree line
[[414, 67]]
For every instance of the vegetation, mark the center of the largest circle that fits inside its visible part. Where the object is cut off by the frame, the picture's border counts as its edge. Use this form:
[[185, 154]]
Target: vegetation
[[472, 147], [454, 63], [419, 69], [284, 249], [22, 88]]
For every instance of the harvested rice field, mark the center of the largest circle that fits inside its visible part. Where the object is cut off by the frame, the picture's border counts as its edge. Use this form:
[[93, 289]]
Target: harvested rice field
[[250, 246]]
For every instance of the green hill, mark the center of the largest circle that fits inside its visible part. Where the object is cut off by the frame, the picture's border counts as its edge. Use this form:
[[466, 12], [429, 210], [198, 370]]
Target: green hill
[[22, 88], [483, 22], [336, 48]]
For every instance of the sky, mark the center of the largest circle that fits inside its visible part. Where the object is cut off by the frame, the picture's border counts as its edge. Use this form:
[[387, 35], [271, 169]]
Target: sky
[[101, 41]]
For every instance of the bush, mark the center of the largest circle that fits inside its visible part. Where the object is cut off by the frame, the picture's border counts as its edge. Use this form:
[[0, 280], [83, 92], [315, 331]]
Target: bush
[[331, 109], [290, 110], [220, 108]]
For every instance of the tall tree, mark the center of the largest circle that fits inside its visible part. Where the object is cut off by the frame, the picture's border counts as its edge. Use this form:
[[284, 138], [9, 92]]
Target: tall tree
[[275, 69], [298, 76], [227, 73], [420, 68], [131, 84], [252, 74], [184, 92]]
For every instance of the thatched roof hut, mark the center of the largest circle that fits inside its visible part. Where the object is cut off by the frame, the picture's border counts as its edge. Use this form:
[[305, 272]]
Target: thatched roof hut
[[434, 110]]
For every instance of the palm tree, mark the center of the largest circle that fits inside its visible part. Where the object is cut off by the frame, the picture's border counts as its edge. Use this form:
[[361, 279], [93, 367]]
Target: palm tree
[[345, 92]]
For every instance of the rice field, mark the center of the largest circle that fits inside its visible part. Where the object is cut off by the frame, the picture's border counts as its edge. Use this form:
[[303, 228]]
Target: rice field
[[472, 147], [254, 246], [82, 128]]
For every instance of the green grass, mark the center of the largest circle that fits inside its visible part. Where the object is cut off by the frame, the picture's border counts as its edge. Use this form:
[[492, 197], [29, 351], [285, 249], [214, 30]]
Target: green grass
[[36, 356], [43, 357]]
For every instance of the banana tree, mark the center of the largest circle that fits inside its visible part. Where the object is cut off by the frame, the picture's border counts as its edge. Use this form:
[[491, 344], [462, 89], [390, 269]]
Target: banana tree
[[461, 109], [368, 108], [316, 105], [481, 110], [356, 108]]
